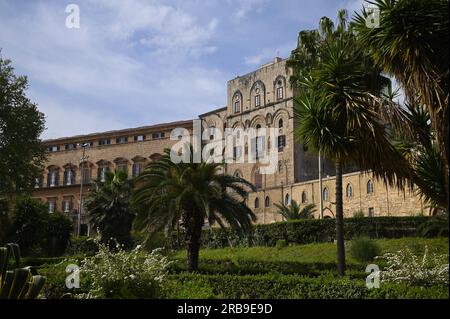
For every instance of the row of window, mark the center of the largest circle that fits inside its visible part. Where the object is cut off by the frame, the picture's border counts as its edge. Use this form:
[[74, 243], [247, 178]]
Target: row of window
[[67, 205], [107, 141], [258, 95], [53, 179], [304, 199]]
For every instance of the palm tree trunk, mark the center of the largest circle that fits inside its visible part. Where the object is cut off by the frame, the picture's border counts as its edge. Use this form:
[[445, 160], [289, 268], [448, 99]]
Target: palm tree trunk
[[193, 235], [340, 221]]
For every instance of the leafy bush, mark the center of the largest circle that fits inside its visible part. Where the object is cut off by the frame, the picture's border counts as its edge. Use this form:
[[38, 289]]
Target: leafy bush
[[435, 227], [406, 267], [363, 249], [310, 231], [121, 274], [358, 214], [281, 243], [83, 245]]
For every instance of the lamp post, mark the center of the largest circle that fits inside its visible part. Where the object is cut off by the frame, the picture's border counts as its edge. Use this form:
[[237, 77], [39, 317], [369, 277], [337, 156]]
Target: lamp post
[[83, 159]]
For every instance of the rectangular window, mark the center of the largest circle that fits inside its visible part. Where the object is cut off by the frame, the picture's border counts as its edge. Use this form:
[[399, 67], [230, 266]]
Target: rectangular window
[[86, 175], [137, 169], [139, 138], [158, 135], [67, 205], [237, 152], [280, 93], [102, 173], [53, 179], [257, 100], [54, 148], [104, 142], [281, 142], [51, 205], [237, 107], [71, 146], [122, 140], [371, 212], [257, 147], [122, 167]]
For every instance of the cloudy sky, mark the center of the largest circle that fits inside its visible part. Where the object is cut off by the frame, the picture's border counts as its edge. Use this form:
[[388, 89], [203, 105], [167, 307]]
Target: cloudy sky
[[142, 62]]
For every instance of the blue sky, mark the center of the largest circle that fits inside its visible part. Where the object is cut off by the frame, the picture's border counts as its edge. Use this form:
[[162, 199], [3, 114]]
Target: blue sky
[[142, 62]]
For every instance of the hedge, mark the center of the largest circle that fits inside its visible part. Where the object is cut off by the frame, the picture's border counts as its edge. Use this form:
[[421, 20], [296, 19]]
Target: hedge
[[290, 287], [248, 266], [314, 230]]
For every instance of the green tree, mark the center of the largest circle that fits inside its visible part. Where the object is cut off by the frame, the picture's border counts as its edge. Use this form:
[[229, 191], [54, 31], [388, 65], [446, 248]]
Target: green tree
[[191, 193], [293, 211], [412, 44], [29, 223], [335, 111], [21, 124], [110, 208], [58, 231]]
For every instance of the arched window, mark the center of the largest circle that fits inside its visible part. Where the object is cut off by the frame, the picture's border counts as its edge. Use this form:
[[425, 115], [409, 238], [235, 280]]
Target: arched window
[[237, 102], [267, 201], [370, 187], [103, 167], [326, 194], [304, 197], [349, 190], [286, 199], [237, 174], [280, 123], [256, 202]]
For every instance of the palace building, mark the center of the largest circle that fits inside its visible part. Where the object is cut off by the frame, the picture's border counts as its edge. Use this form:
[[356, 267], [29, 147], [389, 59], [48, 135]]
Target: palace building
[[260, 99]]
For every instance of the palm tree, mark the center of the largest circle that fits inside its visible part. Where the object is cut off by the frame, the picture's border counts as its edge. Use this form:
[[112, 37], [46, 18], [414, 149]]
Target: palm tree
[[191, 193], [412, 44], [336, 114], [110, 208], [293, 211]]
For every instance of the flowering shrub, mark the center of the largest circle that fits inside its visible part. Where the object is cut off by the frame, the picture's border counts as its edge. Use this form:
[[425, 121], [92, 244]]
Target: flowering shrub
[[404, 266], [125, 274]]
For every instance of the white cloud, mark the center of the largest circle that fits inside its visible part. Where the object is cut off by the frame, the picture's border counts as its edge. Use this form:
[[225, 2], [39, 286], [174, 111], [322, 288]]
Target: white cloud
[[131, 63], [244, 7], [267, 54]]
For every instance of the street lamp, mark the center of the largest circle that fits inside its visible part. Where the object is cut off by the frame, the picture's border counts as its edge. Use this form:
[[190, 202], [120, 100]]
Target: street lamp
[[82, 160]]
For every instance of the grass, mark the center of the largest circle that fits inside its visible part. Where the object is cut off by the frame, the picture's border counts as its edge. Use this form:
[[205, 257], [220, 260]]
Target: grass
[[317, 252]]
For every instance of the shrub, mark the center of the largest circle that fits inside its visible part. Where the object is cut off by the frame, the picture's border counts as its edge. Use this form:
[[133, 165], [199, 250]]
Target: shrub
[[83, 245], [121, 274], [358, 214], [405, 267], [310, 231], [281, 243], [364, 249]]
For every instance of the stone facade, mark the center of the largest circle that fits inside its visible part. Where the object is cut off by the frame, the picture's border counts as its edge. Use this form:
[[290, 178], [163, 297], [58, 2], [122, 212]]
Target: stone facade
[[261, 99]]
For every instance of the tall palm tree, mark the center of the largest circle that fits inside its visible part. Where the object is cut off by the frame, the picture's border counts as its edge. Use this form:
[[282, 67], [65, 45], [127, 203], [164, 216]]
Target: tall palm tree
[[412, 44], [293, 211], [110, 208], [336, 115], [191, 193]]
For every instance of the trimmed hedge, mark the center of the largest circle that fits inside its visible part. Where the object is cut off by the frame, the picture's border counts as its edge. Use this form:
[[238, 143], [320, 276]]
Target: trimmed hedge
[[290, 287], [312, 230], [252, 267]]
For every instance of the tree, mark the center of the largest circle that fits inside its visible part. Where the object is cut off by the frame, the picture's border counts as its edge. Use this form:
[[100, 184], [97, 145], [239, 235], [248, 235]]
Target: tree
[[191, 193], [335, 111], [30, 219], [59, 228], [110, 207], [412, 44], [293, 211], [21, 124]]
